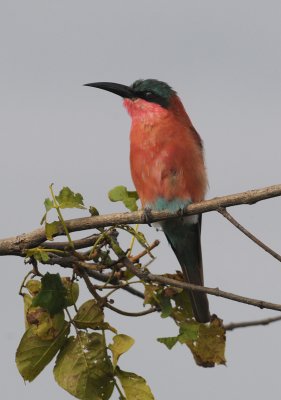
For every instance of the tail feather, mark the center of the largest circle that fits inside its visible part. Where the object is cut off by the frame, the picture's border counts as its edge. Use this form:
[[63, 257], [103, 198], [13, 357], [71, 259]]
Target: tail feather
[[184, 238]]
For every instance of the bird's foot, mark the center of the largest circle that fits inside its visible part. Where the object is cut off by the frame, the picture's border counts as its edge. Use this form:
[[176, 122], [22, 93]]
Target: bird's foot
[[180, 212], [182, 209], [147, 215]]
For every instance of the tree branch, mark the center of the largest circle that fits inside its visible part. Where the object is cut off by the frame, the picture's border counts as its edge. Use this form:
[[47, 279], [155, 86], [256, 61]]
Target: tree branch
[[100, 276], [19, 244], [246, 324], [241, 228], [78, 244]]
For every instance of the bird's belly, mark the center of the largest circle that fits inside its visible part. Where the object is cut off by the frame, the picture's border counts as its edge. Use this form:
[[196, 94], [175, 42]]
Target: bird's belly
[[157, 174], [166, 165]]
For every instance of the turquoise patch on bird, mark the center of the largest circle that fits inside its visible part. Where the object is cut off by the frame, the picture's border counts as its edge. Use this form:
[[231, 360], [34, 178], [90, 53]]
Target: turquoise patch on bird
[[174, 205]]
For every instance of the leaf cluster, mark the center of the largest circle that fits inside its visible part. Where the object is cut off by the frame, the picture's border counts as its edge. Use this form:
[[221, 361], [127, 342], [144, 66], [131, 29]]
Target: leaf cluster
[[85, 365], [206, 342], [76, 336]]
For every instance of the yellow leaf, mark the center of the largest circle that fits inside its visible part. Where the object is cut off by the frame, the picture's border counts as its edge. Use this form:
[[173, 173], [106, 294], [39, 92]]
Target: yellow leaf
[[208, 349], [134, 386], [121, 344]]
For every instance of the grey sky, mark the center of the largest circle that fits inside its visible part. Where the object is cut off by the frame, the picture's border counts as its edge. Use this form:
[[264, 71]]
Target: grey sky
[[224, 60]]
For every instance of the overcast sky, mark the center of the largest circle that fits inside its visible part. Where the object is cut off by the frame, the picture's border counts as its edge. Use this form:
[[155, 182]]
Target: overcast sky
[[224, 60]]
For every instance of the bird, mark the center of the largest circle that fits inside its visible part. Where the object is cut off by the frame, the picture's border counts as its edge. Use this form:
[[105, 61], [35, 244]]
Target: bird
[[168, 170]]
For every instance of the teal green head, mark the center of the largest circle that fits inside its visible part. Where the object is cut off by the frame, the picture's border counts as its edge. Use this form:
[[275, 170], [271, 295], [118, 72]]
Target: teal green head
[[153, 91]]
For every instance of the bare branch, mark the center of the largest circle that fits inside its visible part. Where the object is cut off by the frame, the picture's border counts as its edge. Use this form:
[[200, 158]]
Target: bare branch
[[131, 314], [241, 228], [246, 324], [145, 251], [78, 244], [17, 245]]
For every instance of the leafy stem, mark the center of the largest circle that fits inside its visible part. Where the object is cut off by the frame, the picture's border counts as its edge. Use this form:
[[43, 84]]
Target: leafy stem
[[104, 234], [57, 207], [23, 282], [122, 397], [133, 239]]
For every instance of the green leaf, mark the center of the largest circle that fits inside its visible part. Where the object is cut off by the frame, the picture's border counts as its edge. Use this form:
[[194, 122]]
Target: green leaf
[[208, 349], [183, 310], [134, 386], [165, 304], [169, 342], [39, 254], [51, 229], [72, 290], [44, 325], [121, 344], [33, 286], [130, 201], [93, 211], [89, 315], [118, 193], [84, 369], [188, 331], [141, 238], [138, 235], [69, 199], [150, 294], [52, 295], [49, 204], [43, 219], [33, 353], [129, 198], [27, 300], [44, 257]]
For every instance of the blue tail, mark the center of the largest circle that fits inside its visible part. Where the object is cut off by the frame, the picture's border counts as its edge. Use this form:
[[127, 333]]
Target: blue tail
[[183, 235]]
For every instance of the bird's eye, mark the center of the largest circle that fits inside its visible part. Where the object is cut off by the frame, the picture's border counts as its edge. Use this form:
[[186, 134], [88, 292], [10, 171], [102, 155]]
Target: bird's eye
[[150, 96]]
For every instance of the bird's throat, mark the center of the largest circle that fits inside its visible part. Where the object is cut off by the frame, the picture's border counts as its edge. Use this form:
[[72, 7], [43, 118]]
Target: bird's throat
[[144, 110]]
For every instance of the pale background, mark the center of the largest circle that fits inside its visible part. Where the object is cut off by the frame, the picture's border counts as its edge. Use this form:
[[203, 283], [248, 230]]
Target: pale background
[[224, 59]]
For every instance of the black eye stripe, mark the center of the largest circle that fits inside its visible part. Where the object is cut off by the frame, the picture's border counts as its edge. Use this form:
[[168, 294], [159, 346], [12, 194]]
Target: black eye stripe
[[152, 97]]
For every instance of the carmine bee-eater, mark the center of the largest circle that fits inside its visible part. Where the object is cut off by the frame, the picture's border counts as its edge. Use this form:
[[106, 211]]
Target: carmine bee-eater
[[167, 167]]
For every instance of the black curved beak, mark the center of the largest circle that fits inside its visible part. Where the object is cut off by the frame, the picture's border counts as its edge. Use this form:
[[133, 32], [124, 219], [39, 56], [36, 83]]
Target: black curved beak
[[116, 88]]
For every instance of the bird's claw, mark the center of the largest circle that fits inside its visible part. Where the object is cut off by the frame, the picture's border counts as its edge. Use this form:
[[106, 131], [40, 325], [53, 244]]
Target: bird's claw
[[147, 215], [180, 212]]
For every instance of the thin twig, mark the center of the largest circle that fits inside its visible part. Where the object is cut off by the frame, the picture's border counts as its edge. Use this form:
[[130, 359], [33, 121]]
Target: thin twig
[[103, 300], [73, 260], [145, 251], [102, 277], [78, 244], [130, 314], [19, 244], [148, 277], [91, 287], [241, 228], [234, 325]]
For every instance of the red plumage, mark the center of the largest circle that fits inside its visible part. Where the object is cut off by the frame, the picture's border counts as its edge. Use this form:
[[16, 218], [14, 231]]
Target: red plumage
[[166, 152]]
